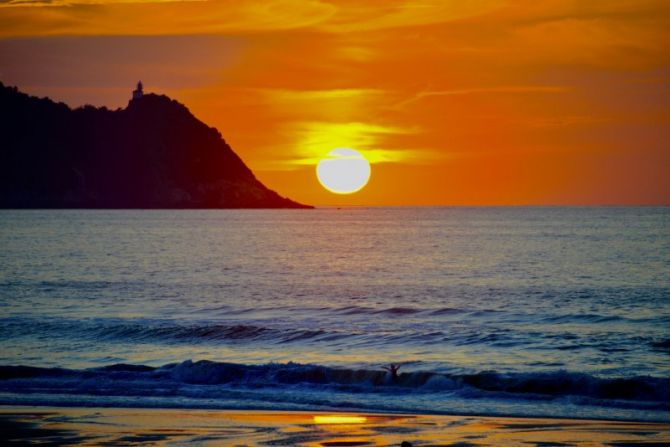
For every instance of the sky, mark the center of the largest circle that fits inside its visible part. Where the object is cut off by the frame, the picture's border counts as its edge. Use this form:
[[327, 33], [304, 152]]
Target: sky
[[488, 102]]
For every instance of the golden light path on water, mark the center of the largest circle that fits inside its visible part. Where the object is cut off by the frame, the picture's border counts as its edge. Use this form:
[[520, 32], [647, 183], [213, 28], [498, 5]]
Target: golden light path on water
[[333, 419]]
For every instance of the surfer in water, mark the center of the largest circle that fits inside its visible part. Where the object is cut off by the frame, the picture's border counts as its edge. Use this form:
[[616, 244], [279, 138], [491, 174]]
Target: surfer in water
[[393, 369]]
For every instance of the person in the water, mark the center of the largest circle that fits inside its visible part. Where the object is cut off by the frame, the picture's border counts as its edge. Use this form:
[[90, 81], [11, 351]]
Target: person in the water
[[393, 369]]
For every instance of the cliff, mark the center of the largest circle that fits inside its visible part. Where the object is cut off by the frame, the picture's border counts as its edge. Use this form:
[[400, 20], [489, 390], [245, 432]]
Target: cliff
[[152, 154]]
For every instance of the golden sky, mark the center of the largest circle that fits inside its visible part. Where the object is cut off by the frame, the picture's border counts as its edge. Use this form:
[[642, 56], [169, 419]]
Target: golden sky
[[500, 102]]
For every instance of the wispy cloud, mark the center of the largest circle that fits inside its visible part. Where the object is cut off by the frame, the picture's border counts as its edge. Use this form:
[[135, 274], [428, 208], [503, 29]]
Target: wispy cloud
[[151, 17], [70, 3], [309, 142], [369, 16], [318, 95], [511, 89], [317, 138], [157, 17]]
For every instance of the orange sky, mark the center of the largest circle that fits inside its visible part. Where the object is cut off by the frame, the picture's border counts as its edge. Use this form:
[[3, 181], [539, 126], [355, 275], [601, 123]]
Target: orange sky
[[454, 102]]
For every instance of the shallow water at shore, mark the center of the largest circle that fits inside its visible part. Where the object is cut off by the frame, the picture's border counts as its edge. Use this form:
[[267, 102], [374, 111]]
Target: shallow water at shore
[[117, 428]]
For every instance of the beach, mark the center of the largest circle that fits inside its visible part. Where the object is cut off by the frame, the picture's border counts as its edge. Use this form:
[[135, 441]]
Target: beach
[[161, 427]]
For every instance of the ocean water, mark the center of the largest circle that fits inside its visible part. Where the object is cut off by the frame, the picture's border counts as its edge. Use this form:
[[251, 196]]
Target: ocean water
[[507, 311]]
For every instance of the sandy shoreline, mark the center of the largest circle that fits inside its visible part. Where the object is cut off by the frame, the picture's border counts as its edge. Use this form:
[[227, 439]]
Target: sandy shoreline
[[124, 427]]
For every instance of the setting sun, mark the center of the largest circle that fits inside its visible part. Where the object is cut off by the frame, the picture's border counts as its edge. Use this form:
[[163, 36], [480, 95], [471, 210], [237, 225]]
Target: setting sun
[[343, 171]]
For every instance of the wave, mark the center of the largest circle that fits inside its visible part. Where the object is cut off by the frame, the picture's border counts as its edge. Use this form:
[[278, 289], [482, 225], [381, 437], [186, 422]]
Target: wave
[[162, 332], [398, 311], [661, 344], [584, 318], [119, 378], [203, 333], [166, 332]]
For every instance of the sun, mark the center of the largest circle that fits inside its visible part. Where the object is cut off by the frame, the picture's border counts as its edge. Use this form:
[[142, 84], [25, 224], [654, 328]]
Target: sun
[[343, 171]]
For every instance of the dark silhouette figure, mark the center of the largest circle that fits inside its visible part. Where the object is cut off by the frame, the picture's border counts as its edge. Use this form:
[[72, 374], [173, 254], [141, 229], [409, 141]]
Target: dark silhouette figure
[[406, 444], [152, 154], [393, 369]]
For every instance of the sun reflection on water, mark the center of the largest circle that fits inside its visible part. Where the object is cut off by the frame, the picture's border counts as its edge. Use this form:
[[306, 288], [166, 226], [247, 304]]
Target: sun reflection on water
[[331, 419]]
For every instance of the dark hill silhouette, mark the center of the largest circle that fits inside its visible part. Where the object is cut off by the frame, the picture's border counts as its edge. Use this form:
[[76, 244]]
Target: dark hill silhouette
[[152, 154]]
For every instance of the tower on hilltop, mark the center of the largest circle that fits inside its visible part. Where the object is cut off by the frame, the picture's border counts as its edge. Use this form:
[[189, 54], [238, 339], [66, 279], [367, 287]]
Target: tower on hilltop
[[137, 93]]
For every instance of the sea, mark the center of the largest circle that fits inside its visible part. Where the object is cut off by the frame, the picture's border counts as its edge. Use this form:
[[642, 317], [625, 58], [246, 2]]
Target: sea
[[513, 311]]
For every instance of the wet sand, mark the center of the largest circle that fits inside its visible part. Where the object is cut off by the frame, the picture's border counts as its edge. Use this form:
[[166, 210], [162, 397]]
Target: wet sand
[[113, 427]]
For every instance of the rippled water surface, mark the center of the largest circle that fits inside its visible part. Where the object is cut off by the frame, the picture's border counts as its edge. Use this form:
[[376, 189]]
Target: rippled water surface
[[570, 299]]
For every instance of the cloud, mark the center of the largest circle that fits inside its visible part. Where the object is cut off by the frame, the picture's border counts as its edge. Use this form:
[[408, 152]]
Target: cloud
[[602, 40], [332, 105], [69, 3], [316, 138], [308, 142], [155, 17], [283, 95], [513, 89], [384, 14]]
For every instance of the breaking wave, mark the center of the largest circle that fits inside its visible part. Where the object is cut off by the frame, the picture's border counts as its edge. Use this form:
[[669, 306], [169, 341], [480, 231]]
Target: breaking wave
[[214, 379]]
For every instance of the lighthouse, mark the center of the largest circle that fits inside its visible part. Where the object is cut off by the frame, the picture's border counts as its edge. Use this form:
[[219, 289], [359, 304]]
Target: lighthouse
[[137, 93]]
